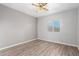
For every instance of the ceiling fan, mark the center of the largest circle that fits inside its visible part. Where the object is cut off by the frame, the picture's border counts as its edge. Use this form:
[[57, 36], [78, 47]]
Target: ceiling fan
[[41, 6]]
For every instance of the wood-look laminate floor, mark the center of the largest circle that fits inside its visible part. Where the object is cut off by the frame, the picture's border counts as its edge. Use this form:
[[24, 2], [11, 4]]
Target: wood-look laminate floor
[[40, 48]]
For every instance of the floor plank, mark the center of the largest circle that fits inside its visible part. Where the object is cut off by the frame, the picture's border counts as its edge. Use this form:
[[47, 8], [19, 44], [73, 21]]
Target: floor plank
[[40, 48]]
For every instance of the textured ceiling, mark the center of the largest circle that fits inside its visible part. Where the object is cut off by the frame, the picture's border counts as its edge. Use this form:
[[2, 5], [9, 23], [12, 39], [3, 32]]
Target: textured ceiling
[[29, 9]]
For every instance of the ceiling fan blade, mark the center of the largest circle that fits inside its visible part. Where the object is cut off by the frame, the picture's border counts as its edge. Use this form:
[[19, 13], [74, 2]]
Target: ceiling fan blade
[[43, 4], [45, 9], [34, 5]]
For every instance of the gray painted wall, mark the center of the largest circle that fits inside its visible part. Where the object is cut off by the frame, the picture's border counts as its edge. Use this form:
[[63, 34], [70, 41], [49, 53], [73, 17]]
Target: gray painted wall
[[15, 27], [78, 27], [68, 28]]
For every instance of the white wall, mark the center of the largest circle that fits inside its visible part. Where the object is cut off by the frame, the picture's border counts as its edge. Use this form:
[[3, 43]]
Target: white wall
[[68, 30], [15, 27]]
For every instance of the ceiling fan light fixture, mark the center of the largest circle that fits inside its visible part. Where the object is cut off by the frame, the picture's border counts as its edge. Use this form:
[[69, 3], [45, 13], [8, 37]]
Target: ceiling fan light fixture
[[40, 7]]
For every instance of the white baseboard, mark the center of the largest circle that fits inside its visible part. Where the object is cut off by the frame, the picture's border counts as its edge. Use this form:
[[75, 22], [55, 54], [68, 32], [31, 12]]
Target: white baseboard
[[60, 43], [17, 44], [36, 39]]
